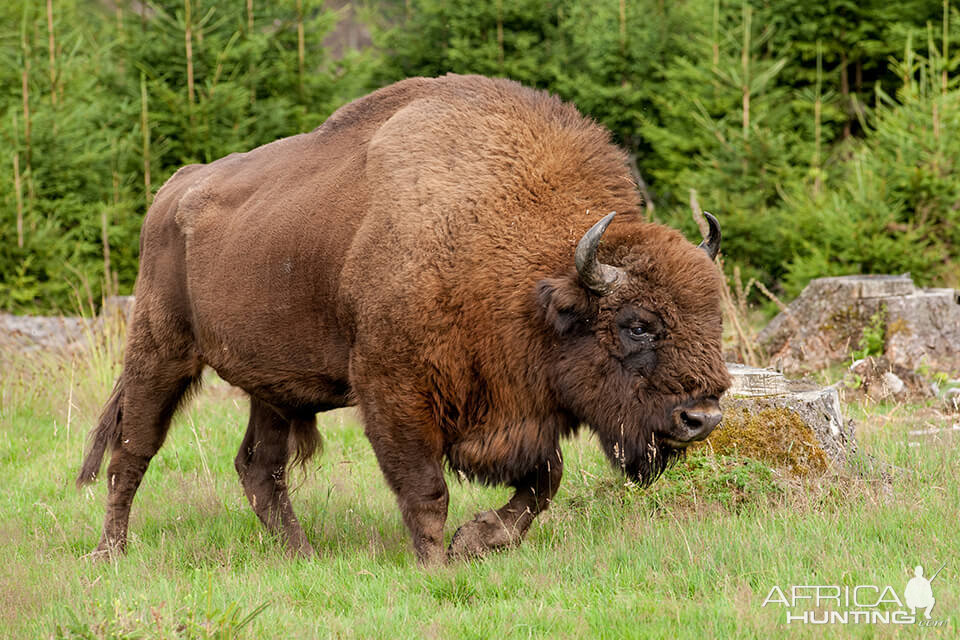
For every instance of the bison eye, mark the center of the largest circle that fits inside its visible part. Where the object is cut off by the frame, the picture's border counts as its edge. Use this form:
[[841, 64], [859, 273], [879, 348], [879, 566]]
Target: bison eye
[[639, 332]]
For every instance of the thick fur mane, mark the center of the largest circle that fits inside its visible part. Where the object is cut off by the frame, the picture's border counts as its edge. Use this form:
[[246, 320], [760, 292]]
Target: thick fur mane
[[479, 189]]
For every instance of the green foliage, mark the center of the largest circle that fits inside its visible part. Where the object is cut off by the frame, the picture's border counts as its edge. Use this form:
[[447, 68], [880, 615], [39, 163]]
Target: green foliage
[[126, 107], [729, 130], [776, 114], [819, 133], [490, 38], [873, 340], [609, 63], [736, 482], [895, 206]]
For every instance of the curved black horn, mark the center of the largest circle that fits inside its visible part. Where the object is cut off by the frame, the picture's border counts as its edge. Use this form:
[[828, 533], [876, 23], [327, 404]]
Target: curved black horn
[[712, 244], [596, 276]]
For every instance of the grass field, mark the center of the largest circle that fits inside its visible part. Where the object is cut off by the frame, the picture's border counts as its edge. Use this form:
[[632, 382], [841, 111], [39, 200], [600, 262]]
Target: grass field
[[695, 555]]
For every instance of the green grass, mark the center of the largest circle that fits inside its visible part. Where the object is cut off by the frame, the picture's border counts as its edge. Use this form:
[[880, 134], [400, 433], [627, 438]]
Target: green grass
[[692, 556]]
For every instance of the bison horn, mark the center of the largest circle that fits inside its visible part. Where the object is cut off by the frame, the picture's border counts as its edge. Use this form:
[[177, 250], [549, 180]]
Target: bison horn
[[712, 244], [596, 276]]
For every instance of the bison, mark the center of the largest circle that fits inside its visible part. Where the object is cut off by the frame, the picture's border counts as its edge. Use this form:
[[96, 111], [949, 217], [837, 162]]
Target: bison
[[431, 254]]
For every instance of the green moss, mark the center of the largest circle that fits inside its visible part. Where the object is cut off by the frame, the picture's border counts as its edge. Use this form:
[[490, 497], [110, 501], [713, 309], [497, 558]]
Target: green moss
[[776, 436], [844, 321], [898, 326]]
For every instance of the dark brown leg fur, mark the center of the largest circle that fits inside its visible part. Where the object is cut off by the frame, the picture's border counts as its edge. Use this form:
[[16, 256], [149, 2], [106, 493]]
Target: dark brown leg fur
[[411, 464], [423, 502], [158, 372], [506, 526], [262, 466]]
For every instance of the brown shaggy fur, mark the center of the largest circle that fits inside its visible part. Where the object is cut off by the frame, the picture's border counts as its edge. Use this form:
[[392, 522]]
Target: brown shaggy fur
[[414, 256]]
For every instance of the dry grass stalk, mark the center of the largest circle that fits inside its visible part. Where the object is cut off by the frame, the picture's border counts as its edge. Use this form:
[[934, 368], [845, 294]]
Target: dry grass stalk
[[946, 47], [188, 40], [734, 310], [698, 214], [121, 38], [53, 54], [777, 301], [301, 49], [83, 281], [641, 185], [253, 86], [745, 63], [107, 280], [19, 192], [145, 129], [715, 44], [623, 27], [734, 301], [25, 90], [785, 310], [500, 32], [745, 351], [818, 121], [742, 292]]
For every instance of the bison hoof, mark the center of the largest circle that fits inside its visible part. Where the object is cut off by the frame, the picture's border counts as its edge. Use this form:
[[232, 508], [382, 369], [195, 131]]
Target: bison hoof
[[107, 550], [301, 549], [485, 533]]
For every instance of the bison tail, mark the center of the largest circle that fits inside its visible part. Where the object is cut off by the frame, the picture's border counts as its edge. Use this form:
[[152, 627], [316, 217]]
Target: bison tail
[[107, 432], [305, 440]]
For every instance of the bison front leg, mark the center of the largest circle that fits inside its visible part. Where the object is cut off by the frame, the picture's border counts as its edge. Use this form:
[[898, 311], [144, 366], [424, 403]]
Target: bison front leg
[[423, 499], [506, 526], [411, 461]]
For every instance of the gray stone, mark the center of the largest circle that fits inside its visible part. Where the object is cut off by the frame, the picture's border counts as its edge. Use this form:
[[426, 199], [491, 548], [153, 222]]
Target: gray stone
[[29, 333], [61, 333], [893, 382]]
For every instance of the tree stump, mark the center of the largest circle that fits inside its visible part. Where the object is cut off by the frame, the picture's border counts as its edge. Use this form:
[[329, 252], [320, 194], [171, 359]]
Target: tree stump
[[918, 327], [788, 424]]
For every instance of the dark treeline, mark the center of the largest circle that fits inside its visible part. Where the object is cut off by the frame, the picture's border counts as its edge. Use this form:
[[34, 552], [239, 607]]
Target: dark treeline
[[823, 134]]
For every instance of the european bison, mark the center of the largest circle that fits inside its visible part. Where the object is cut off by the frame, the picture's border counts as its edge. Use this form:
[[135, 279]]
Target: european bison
[[432, 254]]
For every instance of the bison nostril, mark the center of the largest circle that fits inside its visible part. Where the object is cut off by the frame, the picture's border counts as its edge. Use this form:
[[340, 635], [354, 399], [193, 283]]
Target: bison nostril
[[701, 420]]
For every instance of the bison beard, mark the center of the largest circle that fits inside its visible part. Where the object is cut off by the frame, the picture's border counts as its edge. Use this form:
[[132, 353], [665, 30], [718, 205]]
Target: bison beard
[[431, 254]]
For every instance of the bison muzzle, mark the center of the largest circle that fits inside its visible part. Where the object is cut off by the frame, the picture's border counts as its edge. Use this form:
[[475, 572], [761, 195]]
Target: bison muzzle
[[441, 254]]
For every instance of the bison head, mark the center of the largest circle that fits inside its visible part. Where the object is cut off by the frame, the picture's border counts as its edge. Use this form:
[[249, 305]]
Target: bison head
[[634, 348]]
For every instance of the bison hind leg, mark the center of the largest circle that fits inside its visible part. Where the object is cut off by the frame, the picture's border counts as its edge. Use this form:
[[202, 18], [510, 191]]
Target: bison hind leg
[[134, 424], [262, 464]]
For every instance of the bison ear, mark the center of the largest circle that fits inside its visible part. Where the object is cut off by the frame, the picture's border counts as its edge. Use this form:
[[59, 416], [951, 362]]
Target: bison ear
[[564, 303]]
